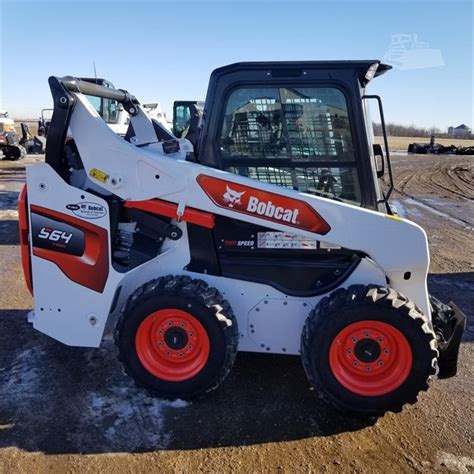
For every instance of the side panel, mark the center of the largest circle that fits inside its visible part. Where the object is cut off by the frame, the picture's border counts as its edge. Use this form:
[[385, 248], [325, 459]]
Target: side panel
[[270, 321], [73, 286]]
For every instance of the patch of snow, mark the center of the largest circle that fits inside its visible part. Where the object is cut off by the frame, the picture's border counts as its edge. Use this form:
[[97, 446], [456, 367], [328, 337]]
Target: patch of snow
[[8, 214], [426, 207], [454, 463], [178, 403], [399, 208], [128, 417]]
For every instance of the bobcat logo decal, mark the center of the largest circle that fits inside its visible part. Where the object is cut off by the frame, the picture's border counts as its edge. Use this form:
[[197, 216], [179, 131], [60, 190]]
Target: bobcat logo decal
[[233, 198], [281, 209]]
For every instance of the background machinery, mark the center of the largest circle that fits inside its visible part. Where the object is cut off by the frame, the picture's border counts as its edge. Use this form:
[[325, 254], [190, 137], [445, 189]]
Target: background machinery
[[10, 147]]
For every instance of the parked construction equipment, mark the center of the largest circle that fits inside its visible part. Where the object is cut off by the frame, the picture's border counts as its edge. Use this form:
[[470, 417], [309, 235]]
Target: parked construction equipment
[[187, 117], [10, 148], [34, 144], [155, 112], [269, 231], [45, 121], [438, 149]]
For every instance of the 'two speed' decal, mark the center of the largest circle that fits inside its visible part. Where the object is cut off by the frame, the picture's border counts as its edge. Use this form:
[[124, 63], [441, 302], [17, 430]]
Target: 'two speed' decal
[[263, 204]]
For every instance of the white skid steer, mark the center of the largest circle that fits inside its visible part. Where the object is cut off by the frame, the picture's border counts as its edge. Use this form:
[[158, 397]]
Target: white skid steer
[[267, 232]]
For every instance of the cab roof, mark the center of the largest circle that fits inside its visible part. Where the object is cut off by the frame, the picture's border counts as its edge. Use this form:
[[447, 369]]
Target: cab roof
[[296, 69]]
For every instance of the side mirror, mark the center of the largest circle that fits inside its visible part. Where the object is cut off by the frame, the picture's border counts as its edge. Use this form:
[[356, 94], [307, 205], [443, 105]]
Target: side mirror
[[379, 161]]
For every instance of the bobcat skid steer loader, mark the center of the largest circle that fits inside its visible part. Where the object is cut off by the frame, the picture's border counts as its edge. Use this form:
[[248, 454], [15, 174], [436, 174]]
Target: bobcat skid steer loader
[[268, 233]]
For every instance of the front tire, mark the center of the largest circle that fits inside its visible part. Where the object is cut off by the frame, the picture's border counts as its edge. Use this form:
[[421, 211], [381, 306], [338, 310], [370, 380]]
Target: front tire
[[177, 337], [368, 350]]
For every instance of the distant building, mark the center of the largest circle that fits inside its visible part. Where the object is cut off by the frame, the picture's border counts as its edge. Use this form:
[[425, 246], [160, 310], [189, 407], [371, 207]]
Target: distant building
[[461, 131]]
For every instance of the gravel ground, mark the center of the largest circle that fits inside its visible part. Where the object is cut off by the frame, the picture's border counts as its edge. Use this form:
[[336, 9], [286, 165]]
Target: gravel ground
[[71, 409]]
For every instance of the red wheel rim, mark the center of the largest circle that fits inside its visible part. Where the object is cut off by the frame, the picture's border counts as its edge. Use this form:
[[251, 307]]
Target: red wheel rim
[[370, 358], [172, 345]]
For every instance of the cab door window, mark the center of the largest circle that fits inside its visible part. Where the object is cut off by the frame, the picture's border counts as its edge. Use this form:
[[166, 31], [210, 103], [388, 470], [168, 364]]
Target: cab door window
[[295, 137], [182, 120], [108, 109]]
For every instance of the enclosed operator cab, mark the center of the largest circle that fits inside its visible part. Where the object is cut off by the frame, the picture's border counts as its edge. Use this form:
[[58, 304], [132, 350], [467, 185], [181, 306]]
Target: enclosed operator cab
[[301, 125]]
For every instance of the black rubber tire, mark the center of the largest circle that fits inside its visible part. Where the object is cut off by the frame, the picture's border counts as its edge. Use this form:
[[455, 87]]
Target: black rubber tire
[[207, 306], [14, 152], [359, 303]]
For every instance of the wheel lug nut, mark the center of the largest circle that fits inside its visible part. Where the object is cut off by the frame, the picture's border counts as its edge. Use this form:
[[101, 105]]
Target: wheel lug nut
[[366, 334], [354, 339], [190, 346], [380, 362], [190, 334], [168, 353], [349, 351], [180, 354], [161, 331], [355, 363], [385, 351], [379, 339], [160, 343], [368, 368], [182, 325], [170, 324]]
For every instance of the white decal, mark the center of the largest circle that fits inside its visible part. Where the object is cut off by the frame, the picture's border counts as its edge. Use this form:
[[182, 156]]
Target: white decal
[[54, 235], [233, 198], [268, 209], [87, 210], [284, 240]]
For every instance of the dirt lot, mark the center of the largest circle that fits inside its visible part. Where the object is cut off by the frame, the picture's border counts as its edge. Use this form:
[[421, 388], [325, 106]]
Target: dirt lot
[[70, 409]]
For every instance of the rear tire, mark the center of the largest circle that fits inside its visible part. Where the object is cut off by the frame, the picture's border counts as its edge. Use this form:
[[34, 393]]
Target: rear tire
[[14, 152], [177, 337], [368, 350]]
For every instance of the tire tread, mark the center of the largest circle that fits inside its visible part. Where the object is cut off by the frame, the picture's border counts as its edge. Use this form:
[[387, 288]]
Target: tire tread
[[196, 288], [361, 294]]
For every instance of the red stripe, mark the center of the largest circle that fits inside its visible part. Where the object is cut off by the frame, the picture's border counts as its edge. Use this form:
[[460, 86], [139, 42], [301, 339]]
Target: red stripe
[[168, 209]]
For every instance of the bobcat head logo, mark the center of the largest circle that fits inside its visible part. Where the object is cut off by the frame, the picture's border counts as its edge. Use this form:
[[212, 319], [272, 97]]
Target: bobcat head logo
[[232, 198]]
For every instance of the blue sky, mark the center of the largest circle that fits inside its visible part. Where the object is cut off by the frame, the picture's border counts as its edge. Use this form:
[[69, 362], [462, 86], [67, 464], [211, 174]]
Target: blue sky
[[164, 51]]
